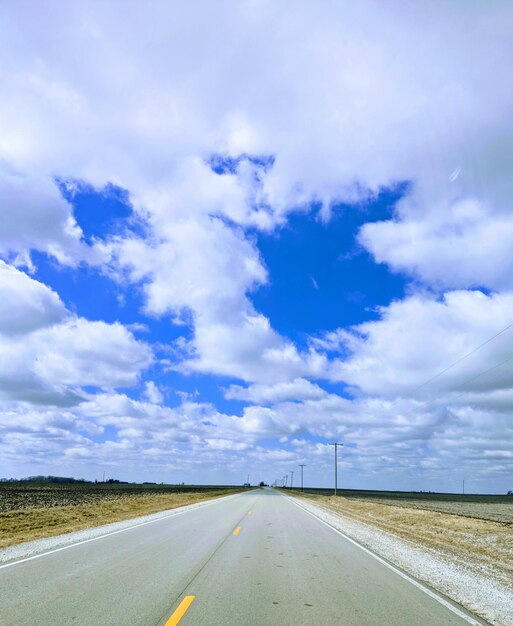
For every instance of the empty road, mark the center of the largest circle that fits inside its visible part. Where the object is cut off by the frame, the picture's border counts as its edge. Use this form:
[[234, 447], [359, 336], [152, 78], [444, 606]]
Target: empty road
[[255, 558]]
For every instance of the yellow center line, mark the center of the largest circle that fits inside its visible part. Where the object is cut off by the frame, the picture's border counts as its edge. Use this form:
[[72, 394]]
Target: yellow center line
[[235, 532], [250, 512], [180, 611]]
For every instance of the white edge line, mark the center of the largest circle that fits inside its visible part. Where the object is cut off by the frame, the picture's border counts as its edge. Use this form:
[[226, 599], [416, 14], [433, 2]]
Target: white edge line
[[114, 532], [414, 582]]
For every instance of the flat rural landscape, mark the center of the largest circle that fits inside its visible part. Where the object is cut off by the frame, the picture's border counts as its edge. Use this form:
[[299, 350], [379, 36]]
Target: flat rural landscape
[[31, 510], [468, 533], [478, 533], [256, 313], [498, 508], [253, 558], [461, 545]]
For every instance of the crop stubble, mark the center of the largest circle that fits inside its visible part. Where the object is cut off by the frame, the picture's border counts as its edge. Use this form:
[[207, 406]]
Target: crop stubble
[[38, 511]]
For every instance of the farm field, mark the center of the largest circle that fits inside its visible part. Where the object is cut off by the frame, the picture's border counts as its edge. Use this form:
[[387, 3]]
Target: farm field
[[477, 533], [31, 511], [498, 508], [492, 511]]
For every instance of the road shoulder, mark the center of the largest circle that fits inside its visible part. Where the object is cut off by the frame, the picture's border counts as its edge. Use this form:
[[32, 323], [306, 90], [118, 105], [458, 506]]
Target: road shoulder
[[477, 591], [32, 549]]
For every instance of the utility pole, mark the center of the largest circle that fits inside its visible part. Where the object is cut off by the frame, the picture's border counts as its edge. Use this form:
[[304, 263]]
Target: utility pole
[[336, 445], [291, 478], [301, 466], [285, 481]]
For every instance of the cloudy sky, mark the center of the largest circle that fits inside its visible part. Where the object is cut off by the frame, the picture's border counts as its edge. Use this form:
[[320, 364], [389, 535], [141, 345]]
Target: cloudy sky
[[234, 232]]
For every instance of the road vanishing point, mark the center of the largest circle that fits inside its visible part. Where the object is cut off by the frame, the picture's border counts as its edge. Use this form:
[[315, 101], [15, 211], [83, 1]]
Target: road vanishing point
[[256, 558]]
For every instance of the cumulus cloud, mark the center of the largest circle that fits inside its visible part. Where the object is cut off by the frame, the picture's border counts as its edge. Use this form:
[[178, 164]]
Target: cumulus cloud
[[250, 350], [299, 389], [200, 264], [466, 246], [418, 337], [400, 104], [37, 217], [48, 355], [26, 304], [153, 393], [81, 352], [415, 86], [345, 100], [204, 266], [172, 440]]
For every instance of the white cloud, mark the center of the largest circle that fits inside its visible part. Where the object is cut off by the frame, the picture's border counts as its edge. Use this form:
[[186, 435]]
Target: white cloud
[[414, 88], [298, 389], [35, 216], [47, 355], [200, 263], [382, 442], [26, 304], [226, 444], [250, 350], [348, 99], [466, 245], [206, 267], [271, 456], [170, 440], [418, 337], [153, 393], [80, 352]]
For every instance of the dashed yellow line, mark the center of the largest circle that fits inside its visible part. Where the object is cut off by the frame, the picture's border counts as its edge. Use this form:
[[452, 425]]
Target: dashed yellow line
[[236, 531], [180, 611]]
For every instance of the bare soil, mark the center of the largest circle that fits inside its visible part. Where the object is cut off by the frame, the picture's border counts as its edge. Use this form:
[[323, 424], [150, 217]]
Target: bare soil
[[493, 511], [495, 507], [37, 512]]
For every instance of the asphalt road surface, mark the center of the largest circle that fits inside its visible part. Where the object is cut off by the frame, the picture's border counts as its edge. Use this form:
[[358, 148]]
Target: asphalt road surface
[[255, 559]]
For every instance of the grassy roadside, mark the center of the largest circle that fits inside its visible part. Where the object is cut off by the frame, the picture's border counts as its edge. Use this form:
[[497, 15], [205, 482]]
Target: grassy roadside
[[26, 524], [486, 544]]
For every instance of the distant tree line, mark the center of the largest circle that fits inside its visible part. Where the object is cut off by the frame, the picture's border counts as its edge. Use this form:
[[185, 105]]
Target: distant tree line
[[66, 480], [50, 479], [60, 480]]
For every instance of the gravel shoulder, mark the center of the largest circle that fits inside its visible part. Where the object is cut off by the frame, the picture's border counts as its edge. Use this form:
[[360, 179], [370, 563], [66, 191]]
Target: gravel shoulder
[[37, 513], [468, 560], [32, 548]]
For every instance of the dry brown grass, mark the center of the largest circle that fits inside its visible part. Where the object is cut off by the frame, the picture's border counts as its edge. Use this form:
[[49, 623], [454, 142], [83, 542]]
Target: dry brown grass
[[483, 542], [25, 524], [493, 511]]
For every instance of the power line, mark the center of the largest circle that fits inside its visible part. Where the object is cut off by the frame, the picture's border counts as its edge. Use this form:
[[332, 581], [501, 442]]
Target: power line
[[466, 382], [470, 380], [458, 360]]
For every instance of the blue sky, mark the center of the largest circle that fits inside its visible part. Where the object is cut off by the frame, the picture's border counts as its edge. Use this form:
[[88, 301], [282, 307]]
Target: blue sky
[[219, 264], [318, 270]]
